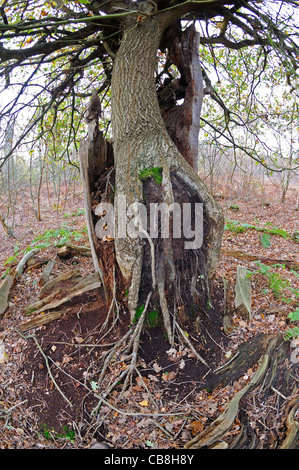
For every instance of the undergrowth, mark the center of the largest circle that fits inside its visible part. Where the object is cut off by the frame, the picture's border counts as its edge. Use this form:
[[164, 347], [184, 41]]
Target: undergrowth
[[66, 433], [237, 227], [282, 291], [65, 235], [57, 237]]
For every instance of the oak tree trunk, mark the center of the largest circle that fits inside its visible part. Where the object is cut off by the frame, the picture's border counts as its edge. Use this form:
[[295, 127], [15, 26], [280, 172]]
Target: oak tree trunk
[[155, 140], [179, 278]]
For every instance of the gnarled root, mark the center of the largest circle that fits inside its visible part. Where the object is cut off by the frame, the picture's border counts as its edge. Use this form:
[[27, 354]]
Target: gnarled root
[[271, 374]]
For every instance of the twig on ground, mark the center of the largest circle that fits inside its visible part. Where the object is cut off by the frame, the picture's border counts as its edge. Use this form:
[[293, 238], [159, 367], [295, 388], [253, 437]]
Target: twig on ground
[[47, 364], [190, 345]]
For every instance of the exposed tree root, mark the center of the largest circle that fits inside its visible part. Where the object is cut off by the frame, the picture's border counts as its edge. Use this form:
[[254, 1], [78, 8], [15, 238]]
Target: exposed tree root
[[272, 369], [291, 440], [217, 430], [130, 351]]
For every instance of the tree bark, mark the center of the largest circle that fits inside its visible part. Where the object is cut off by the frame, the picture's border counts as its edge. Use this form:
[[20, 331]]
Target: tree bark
[[183, 120], [141, 142]]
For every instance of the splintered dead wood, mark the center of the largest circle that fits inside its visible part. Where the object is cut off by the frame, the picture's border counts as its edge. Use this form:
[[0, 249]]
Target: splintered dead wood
[[7, 283], [52, 296], [5, 287], [43, 319], [55, 291], [239, 254], [28, 261], [68, 251]]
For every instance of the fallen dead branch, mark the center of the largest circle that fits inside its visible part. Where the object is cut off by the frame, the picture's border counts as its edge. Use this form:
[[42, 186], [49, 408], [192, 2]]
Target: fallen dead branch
[[86, 284], [240, 255], [21, 266], [47, 365], [43, 319], [69, 251]]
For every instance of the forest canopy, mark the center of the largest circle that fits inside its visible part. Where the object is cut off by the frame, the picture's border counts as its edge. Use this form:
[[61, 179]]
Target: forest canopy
[[142, 100], [54, 53]]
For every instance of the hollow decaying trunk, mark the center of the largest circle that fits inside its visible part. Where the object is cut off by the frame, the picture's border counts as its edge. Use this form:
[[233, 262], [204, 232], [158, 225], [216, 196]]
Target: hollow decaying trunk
[[141, 142], [183, 120], [178, 278]]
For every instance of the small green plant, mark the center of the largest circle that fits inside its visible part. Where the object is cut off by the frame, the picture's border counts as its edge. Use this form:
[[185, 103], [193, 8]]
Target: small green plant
[[236, 227], [48, 434], [75, 214], [295, 236], [66, 433], [138, 313], [155, 173], [10, 259], [292, 332], [265, 240], [56, 237], [277, 283], [234, 207], [152, 319], [5, 273]]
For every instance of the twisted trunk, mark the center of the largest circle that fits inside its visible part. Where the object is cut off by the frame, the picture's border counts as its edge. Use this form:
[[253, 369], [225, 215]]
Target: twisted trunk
[[141, 142]]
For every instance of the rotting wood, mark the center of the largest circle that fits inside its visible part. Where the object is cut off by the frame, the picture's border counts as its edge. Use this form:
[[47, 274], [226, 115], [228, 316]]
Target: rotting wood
[[43, 319], [68, 251], [46, 272], [83, 158], [8, 281], [84, 285], [241, 255], [50, 286], [5, 287], [29, 309], [93, 159], [183, 120], [35, 263]]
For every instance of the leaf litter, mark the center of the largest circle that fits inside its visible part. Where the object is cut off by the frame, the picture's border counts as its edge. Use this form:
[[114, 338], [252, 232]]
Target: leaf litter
[[166, 405]]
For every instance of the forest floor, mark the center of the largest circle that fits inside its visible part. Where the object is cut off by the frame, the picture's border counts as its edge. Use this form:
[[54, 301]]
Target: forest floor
[[167, 404]]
